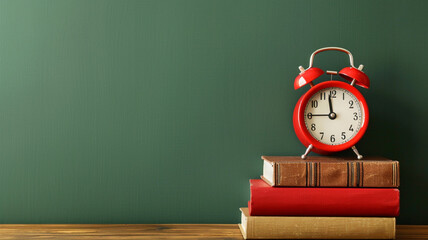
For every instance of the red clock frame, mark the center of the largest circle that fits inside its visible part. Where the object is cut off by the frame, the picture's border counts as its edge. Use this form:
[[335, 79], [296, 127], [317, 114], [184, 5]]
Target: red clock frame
[[299, 119]]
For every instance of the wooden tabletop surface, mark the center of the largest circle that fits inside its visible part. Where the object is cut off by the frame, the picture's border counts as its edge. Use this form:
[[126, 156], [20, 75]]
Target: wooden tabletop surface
[[151, 231]]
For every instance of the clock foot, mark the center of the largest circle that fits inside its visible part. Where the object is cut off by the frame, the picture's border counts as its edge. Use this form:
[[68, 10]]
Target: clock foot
[[308, 150], [357, 153]]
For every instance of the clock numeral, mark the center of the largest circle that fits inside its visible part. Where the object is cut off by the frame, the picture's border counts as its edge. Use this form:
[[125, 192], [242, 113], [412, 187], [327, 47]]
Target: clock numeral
[[314, 103], [313, 127], [355, 116], [343, 136], [322, 96], [351, 104], [333, 93], [332, 139], [309, 115], [351, 128], [343, 96], [322, 135]]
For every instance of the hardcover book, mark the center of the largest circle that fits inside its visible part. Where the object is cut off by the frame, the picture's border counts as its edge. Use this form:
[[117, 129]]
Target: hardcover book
[[289, 227], [330, 172], [302, 201]]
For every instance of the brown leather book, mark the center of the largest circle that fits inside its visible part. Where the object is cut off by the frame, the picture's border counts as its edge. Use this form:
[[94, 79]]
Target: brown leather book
[[291, 227], [287, 171]]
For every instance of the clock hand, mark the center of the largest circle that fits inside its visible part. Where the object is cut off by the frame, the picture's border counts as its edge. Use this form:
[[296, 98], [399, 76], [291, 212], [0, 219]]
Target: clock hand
[[332, 115], [310, 115]]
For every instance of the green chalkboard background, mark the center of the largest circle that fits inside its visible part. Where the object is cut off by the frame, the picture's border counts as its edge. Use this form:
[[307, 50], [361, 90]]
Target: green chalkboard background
[[159, 111]]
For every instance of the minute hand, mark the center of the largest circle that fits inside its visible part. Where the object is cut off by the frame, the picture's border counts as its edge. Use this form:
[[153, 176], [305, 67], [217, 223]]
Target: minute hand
[[330, 104]]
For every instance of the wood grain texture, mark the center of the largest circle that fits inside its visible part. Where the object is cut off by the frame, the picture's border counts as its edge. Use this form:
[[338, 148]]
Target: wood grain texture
[[120, 231], [151, 231], [412, 232]]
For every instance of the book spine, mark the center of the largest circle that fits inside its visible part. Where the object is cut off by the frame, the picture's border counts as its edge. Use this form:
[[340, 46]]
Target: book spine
[[274, 201], [321, 228], [380, 174]]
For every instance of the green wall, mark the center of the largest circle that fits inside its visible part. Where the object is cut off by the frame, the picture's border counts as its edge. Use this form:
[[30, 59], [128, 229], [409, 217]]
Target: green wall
[[158, 111]]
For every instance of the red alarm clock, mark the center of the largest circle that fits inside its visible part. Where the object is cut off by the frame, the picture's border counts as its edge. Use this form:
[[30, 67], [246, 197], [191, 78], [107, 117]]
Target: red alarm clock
[[333, 115]]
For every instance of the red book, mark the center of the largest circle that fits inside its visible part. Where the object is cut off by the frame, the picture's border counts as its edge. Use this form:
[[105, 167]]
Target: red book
[[295, 201]]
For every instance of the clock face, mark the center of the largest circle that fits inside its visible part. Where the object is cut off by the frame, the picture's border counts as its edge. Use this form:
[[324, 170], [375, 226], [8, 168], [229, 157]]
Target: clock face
[[333, 116]]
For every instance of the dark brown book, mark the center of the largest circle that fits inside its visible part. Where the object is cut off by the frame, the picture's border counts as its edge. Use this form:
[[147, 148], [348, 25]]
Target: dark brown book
[[285, 171]]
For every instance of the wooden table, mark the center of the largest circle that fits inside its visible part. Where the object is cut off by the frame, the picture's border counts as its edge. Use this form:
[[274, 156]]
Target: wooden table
[[151, 231]]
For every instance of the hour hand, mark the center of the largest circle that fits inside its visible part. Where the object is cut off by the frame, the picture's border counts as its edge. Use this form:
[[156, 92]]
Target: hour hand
[[329, 115], [310, 115]]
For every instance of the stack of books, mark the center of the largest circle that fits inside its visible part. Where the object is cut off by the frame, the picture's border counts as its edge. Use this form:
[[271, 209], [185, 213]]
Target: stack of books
[[323, 198]]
